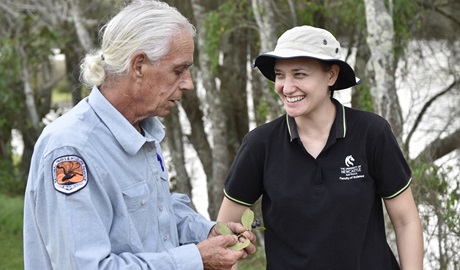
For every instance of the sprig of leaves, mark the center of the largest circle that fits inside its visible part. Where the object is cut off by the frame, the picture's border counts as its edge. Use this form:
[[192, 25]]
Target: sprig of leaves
[[247, 219]]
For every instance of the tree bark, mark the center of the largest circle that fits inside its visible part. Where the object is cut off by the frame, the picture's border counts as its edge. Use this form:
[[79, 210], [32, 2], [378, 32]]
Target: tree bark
[[265, 18], [175, 142], [216, 115], [381, 68]]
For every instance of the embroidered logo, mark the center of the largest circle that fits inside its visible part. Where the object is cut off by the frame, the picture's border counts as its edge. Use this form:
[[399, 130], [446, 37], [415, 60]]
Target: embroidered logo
[[69, 174], [349, 161], [350, 172]]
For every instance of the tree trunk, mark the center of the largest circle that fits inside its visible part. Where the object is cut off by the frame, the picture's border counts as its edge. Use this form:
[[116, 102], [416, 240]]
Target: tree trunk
[[233, 76], [174, 138], [29, 95], [381, 71], [83, 36], [265, 18], [216, 115], [198, 137]]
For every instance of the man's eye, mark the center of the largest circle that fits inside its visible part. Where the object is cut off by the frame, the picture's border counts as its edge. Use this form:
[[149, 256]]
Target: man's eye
[[178, 71]]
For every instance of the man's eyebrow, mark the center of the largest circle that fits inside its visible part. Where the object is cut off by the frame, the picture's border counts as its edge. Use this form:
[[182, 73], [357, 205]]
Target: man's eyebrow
[[185, 64]]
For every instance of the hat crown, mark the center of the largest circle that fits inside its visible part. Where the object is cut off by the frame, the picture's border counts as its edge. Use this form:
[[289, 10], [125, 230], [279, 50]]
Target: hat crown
[[308, 41]]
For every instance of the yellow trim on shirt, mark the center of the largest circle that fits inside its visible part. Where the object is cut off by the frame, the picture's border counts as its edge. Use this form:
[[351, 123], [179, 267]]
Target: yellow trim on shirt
[[400, 191], [235, 200]]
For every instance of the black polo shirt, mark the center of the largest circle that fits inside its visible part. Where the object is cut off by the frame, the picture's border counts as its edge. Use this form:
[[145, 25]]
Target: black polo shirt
[[323, 213]]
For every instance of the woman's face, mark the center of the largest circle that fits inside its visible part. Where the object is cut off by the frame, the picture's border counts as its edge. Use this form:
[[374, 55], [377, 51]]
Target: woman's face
[[303, 84]]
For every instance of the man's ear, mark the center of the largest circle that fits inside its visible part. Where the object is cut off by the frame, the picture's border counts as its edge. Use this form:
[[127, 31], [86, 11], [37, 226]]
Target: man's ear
[[137, 64], [333, 74]]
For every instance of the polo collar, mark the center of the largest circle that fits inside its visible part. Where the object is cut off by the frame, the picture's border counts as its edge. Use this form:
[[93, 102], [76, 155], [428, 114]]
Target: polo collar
[[339, 125], [126, 135]]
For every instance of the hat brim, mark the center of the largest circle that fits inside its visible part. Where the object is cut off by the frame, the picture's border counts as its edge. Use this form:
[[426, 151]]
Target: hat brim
[[347, 78]]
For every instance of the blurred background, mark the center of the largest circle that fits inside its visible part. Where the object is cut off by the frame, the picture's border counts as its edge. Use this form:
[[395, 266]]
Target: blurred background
[[406, 52]]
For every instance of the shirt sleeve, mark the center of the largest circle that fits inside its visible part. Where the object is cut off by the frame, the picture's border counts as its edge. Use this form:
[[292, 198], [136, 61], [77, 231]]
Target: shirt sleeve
[[391, 170], [244, 181], [192, 226], [72, 232]]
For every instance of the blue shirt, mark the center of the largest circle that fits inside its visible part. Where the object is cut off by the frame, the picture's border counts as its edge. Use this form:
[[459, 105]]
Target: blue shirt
[[98, 197]]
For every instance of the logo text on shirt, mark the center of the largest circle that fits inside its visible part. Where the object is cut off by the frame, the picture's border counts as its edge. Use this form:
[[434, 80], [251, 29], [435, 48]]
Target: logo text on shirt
[[350, 172]]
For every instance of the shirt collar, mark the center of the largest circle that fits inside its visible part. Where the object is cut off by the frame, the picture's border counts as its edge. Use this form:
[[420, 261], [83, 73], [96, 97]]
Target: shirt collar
[[339, 124], [126, 135]]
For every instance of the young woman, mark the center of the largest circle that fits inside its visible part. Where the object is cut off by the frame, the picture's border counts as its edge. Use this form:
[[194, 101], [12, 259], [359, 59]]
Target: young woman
[[323, 169]]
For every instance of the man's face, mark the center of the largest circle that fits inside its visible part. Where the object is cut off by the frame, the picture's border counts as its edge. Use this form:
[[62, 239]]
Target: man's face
[[167, 79]]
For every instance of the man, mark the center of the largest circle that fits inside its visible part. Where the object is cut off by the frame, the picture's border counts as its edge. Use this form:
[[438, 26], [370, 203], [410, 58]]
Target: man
[[98, 195]]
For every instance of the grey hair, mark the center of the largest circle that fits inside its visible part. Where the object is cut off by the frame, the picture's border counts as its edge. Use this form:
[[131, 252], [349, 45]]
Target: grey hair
[[144, 25]]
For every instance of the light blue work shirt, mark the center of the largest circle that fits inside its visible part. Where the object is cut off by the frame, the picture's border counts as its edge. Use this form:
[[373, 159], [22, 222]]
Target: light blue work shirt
[[122, 216]]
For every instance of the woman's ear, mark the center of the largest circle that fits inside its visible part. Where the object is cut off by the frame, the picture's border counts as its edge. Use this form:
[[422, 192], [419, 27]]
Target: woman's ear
[[333, 74], [137, 62]]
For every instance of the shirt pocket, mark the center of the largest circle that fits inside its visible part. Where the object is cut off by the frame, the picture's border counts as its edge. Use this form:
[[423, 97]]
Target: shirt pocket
[[137, 198]]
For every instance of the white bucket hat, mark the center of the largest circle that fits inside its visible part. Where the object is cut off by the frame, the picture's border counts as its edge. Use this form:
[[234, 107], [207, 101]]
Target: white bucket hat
[[311, 42]]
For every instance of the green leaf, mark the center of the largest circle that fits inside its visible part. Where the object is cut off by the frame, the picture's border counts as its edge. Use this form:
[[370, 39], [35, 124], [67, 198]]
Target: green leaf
[[247, 219], [240, 245], [223, 229]]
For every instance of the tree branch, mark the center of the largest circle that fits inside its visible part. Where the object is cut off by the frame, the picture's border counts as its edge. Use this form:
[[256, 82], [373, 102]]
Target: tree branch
[[439, 148], [423, 111]]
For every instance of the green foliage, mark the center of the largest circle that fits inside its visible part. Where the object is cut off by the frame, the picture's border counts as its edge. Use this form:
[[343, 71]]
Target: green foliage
[[10, 180], [365, 98], [262, 111], [230, 16], [214, 33], [311, 13], [404, 12], [37, 40], [12, 110], [11, 212], [11, 97], [435, 187]]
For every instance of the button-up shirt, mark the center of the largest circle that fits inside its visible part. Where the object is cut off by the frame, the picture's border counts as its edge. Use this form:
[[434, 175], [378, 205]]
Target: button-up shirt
[[115, 211]]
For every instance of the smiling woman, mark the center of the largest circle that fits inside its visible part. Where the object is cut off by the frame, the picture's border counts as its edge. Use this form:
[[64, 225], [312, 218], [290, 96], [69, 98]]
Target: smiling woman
[[324, 165]]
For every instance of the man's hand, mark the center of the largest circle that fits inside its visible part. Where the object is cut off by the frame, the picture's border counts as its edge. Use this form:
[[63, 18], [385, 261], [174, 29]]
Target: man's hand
[[216, 255], [238, 228]]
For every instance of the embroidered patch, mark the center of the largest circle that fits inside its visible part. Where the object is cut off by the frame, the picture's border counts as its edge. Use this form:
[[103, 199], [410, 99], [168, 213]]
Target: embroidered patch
[[69, 174]]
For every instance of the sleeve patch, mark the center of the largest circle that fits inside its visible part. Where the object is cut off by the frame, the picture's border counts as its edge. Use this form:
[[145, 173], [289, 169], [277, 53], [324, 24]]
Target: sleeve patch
[[69, 174]]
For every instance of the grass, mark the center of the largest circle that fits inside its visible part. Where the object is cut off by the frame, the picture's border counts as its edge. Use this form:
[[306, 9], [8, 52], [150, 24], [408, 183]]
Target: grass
[[11, 210]]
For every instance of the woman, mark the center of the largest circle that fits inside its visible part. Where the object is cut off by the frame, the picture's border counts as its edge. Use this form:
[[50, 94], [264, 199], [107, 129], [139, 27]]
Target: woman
[[323, 169]]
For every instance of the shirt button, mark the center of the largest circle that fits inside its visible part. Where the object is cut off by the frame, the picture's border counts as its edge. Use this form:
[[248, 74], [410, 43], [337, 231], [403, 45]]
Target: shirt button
[[143, 201], [150, 149], [165, 238], [161, 208]]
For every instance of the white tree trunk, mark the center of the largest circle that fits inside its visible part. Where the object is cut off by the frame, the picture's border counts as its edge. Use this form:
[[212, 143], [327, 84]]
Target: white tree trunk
[[216, 115], [82, 32], [265, 18], [28, 92], [381, 68]]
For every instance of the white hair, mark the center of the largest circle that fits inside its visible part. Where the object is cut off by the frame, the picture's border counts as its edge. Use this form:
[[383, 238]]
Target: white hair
[[144, 25]]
